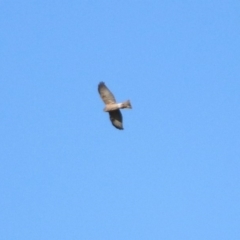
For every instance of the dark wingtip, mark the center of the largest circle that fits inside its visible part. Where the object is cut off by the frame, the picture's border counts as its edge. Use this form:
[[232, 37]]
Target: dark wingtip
[[119, 128], [101, 83]]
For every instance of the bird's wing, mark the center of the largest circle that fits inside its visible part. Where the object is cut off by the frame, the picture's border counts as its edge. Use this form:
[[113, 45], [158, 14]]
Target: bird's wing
[[116, 119], [105, 94]]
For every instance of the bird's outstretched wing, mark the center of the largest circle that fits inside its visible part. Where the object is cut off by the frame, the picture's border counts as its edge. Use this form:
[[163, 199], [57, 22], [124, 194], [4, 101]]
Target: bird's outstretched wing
[[116, 119], [105, 94]]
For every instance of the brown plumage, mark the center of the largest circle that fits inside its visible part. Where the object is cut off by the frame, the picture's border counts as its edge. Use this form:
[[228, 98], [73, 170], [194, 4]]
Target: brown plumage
[[112, 106]]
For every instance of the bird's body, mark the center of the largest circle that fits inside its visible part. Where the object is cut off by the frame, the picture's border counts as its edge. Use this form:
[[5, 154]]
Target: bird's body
[[115, 106], [112, 106]]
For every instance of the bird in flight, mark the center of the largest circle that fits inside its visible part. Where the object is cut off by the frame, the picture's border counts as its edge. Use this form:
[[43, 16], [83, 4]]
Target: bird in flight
[[111, 106]]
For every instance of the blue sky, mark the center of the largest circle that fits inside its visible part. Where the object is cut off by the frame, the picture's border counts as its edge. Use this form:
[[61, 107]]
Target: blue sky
[[172, 173]]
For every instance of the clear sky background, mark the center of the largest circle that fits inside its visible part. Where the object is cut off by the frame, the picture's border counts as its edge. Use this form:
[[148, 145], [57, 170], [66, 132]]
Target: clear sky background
[[172, 173]]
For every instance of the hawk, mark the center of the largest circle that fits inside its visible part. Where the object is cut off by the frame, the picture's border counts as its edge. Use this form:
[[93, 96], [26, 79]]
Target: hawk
[[111, 106]]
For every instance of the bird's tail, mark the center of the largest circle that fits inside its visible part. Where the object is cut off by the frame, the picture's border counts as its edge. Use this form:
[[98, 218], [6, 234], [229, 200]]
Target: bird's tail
[[126, 104]]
